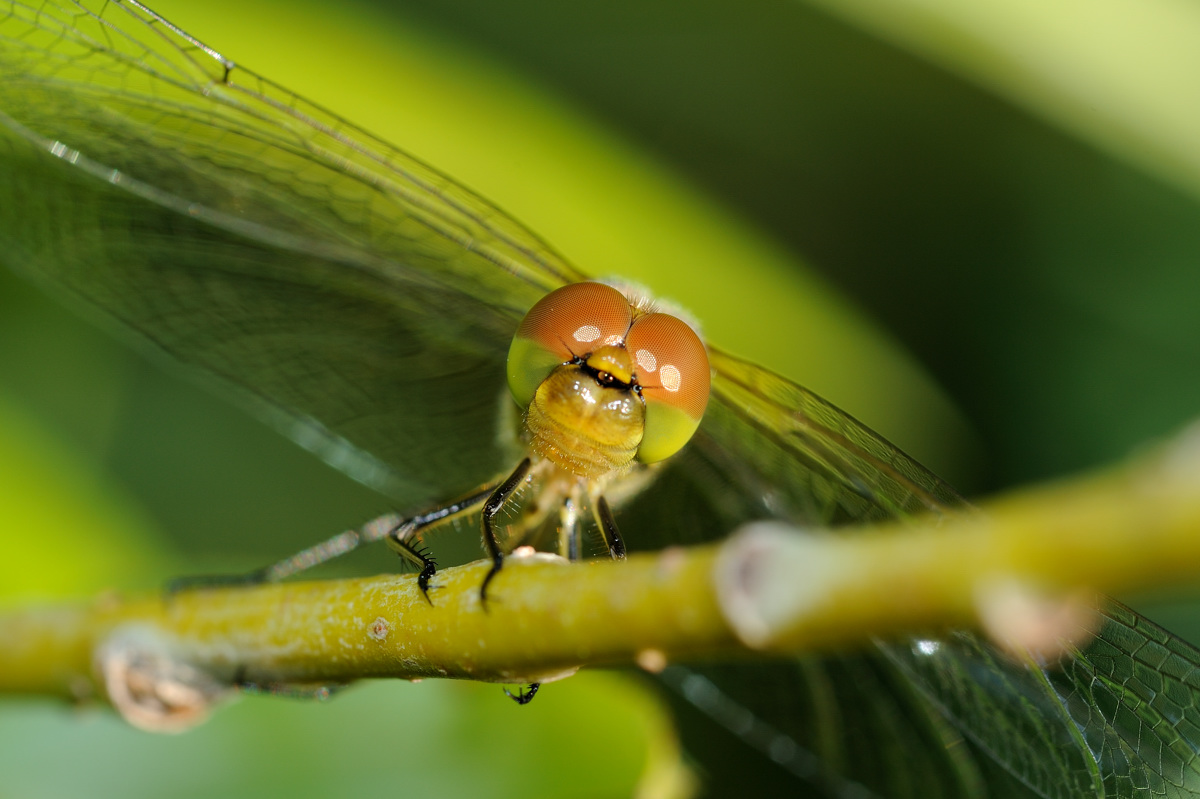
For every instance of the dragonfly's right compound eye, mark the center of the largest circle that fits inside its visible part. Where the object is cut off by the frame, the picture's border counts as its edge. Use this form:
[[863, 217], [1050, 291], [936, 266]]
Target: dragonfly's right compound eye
[[569, 322], [671, 368]]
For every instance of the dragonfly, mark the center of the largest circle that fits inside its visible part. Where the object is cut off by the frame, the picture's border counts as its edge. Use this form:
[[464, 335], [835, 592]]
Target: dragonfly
[[328, 279]]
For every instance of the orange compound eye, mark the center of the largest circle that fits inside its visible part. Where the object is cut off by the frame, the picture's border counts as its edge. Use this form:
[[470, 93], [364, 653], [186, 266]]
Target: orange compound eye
[[671, 366], [569, 322]]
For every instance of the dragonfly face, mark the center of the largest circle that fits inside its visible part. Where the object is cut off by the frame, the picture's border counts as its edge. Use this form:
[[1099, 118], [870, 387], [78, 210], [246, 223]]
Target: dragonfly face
[[333, 301], [604, 379]]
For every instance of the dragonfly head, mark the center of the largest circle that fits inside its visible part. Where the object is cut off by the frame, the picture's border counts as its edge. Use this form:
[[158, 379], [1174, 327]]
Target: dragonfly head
[[605, 381]]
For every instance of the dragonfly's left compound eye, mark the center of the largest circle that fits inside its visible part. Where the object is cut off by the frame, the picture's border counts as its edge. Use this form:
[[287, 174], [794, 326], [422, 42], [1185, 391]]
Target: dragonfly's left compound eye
[[671, 366], [569, 322]]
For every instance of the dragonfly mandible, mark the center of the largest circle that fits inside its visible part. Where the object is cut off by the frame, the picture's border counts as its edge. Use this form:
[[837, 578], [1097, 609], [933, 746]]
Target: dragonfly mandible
[[280, 213]]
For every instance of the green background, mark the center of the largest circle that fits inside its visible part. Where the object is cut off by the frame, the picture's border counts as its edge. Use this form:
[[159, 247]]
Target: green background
[[741, 158]]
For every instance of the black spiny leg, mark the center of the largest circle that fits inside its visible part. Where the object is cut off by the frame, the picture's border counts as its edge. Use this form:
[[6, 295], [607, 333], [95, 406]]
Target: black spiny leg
[[401, 537], [608, 529], [415, 554], [490, 508]]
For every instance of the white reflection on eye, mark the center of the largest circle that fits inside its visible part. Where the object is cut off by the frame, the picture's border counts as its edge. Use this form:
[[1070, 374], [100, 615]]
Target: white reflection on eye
[[586, 333], [646, 360], [670, 378]]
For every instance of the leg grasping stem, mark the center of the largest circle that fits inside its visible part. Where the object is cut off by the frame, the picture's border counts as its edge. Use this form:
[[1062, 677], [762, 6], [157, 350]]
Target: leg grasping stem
[[490, 508]]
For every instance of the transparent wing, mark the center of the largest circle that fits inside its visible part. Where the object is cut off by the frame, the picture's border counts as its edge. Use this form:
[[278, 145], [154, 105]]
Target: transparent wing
[[828, 468], [361, 297], [365, 303], [1120, 718]]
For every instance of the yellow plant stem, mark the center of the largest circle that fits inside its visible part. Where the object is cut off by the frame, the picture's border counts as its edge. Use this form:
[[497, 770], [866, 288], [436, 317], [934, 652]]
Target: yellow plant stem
[[543, 618]]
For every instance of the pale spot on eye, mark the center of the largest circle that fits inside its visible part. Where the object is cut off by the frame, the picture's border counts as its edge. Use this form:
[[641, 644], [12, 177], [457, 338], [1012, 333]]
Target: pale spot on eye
[[646, 360], [614, 341], [670, 378], [586, 333]]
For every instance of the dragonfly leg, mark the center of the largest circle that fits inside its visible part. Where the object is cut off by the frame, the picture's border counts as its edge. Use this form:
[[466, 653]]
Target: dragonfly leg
[[568, 528], [525, 695], [302, 561], [402, 543], [403, 538], [569, 542], [493, 505], [490, 508], [608, 529]]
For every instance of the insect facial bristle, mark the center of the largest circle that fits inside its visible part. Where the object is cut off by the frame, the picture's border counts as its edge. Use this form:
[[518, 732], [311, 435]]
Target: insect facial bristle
[[643, 303]]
